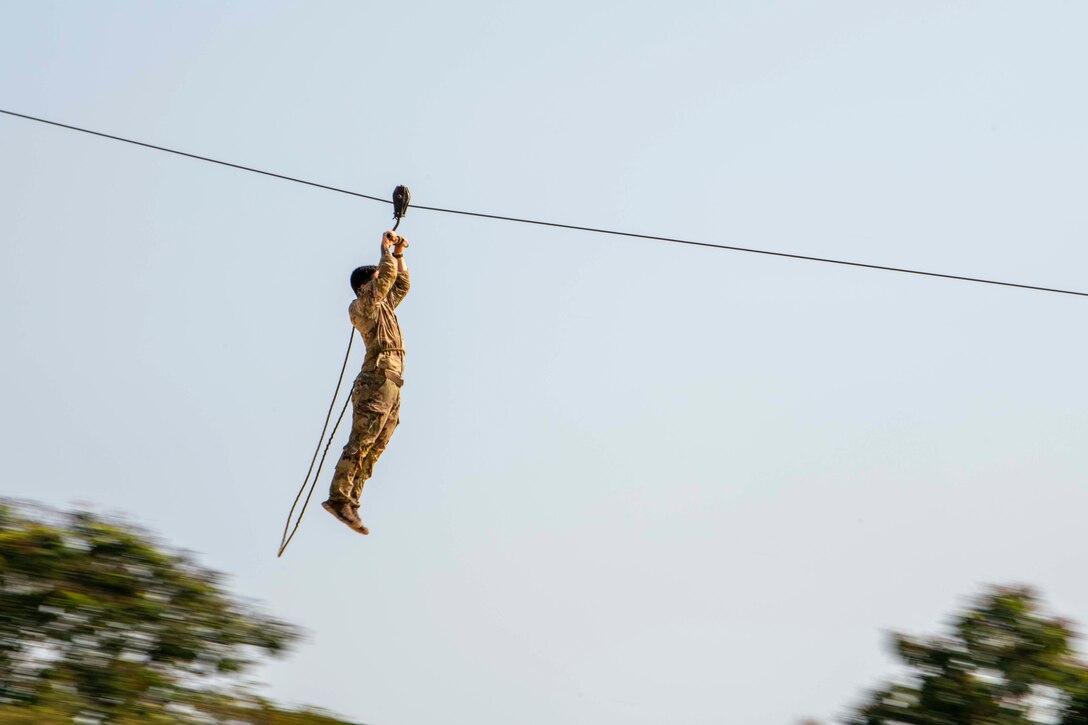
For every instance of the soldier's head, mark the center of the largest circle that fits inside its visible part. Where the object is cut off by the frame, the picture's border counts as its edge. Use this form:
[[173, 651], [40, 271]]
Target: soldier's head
[[362, 275]]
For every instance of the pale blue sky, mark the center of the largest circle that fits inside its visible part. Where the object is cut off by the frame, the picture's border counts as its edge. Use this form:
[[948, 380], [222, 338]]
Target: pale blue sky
[[634, 482]]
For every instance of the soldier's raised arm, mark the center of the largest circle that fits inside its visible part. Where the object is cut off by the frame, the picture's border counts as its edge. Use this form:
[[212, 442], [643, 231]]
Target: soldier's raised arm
[[376, 290], [404, 281]]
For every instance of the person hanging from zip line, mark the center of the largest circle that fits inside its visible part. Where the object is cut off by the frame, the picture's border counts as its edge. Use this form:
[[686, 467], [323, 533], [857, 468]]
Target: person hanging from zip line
[[375, 394]]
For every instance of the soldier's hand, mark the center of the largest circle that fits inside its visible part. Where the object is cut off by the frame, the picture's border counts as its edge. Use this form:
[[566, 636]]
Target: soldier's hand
[[388, 240], [401, 245]]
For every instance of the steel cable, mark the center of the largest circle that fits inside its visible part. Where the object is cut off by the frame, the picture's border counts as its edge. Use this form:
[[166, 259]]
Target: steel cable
[[574, 227]]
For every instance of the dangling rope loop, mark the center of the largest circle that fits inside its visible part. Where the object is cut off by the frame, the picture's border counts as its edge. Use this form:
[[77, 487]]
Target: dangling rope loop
[[286, 539]]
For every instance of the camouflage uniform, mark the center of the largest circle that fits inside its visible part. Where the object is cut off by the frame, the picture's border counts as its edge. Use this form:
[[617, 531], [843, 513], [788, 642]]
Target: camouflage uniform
[[376, 392]]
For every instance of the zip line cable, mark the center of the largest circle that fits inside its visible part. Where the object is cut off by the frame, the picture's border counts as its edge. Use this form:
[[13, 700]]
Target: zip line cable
[[194, 156], [574, 227]]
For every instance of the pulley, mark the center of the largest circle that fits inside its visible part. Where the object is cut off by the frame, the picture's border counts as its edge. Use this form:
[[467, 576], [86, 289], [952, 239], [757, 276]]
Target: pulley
[[401, 197]]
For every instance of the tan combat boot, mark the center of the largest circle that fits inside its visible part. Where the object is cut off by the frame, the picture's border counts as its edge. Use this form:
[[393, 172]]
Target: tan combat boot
[[346, 514]]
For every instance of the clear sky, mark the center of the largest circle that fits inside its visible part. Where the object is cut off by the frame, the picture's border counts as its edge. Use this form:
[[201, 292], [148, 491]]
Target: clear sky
[[634, 482]]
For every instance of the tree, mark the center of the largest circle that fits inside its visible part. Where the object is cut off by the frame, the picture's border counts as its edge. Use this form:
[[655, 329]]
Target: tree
[[1005, 663], [100, 621]]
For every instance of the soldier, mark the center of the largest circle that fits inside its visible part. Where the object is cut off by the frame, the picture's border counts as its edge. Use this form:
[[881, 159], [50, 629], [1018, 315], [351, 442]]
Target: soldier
[[376, 392]]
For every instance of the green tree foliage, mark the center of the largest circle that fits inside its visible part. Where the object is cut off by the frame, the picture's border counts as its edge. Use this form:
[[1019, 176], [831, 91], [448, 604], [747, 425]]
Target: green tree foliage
[[100, 621], [1005, 663]]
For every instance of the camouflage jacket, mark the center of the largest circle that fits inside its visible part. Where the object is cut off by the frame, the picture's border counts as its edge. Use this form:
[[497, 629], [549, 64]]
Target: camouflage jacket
[[372, 314]]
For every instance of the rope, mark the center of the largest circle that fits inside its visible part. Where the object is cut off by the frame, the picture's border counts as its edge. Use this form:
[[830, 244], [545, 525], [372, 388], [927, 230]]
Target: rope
[[558, 225], [286, 539]]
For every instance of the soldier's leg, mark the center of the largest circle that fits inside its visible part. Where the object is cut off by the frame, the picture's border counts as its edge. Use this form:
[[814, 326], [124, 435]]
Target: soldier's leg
[[376, 450], [372, 398]]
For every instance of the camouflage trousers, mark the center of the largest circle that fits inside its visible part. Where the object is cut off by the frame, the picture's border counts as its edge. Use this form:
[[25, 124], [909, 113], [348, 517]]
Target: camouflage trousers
[[375, 415]]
